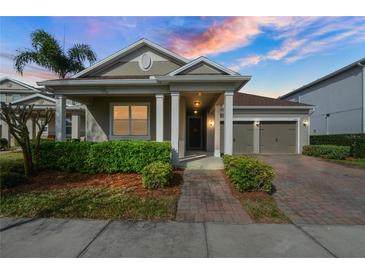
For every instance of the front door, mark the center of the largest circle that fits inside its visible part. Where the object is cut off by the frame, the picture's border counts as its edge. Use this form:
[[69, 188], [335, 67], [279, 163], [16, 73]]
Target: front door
[[195, 137]]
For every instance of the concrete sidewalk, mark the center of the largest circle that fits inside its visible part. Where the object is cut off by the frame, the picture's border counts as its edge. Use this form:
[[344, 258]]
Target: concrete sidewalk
[[103, 238]]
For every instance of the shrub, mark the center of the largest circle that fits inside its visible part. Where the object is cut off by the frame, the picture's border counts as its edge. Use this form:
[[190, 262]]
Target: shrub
[[98, 157], [355, 141], [327, 151], [10, 179], [157, 174], [4, 144], [248, 173]]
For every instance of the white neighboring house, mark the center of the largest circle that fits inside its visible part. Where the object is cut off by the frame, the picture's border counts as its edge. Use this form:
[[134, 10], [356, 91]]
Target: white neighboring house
[[18, 93]]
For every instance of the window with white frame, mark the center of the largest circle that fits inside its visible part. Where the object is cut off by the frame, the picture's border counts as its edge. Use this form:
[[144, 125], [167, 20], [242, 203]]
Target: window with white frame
[[15, 97], [3, 97], [130, 119]]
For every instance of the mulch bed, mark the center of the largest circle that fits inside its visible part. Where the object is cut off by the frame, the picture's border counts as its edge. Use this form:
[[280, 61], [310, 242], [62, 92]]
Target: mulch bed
[[49, 180]]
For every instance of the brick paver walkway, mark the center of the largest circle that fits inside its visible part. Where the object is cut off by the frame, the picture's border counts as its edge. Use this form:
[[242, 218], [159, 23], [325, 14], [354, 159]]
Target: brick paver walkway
[[314, 191], [206, 197]]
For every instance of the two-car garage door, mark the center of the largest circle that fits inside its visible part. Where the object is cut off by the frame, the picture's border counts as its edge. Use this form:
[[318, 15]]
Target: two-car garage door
[[273, 137]]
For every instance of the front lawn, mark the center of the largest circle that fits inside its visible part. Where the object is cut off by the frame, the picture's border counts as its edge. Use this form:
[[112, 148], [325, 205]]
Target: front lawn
[[352, 162], [100, 196], [88, 202], [261, 206]]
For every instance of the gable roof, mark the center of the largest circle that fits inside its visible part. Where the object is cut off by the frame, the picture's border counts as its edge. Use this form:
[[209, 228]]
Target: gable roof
[[6, 78], [140, 43], [250, 100], [34, 96], [360, 62], [203, 60]]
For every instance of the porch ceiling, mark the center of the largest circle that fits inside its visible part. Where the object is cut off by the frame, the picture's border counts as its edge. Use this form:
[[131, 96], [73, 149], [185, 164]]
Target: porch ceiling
[[206, 99]]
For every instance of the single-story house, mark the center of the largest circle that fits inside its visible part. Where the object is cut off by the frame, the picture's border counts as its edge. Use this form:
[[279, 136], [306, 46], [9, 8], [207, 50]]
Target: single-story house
[[19, 93], [338, 99], [147, 92]]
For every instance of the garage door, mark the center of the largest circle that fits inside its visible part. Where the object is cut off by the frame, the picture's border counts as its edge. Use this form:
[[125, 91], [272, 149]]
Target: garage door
[[278, 137], [242, 137]]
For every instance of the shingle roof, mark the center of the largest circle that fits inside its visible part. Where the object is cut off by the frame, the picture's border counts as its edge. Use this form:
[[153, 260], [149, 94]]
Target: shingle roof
[[244, 99]]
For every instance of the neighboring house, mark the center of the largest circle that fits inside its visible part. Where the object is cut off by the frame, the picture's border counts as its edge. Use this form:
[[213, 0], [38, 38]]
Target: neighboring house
[[339, 100], [16, 92], [147, 92]]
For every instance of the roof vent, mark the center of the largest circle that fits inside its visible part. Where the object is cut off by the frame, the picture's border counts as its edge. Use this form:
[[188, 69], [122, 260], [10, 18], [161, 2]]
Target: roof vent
[[145, 62]]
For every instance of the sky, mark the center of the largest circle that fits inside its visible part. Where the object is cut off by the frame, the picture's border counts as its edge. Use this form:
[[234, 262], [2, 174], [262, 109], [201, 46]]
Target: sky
[[280, 53]]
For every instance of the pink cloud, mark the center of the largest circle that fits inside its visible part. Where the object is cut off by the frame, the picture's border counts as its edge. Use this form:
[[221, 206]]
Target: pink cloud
[[248, 61], [232, 33]]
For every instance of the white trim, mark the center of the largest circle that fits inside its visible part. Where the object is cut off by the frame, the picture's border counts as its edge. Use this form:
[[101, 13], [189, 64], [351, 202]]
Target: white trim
[[159, 117], [205, 60], [265, 119], [273, 107], [129, 137], [125, 51], [19, 83], [36, 95]]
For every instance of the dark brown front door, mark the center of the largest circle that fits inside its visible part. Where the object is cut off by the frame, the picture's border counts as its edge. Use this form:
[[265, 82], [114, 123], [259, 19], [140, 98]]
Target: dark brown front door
[[195, 127]]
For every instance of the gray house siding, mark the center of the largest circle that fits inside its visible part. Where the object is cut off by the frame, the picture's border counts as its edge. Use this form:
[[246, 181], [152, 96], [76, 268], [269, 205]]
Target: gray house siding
[[338, 103]]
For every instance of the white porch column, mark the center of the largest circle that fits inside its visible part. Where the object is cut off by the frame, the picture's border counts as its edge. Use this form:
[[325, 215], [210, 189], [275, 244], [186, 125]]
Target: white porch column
[[159, 117], [175, 103], [217, 131], [60, 118], [75, 120], [228, 122]]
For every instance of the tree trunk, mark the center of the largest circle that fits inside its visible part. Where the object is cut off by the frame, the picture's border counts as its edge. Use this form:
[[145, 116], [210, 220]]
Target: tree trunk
[[28, 163]]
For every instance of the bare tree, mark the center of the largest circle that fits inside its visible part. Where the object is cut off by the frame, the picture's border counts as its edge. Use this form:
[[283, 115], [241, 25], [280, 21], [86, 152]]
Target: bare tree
[[16, 118]]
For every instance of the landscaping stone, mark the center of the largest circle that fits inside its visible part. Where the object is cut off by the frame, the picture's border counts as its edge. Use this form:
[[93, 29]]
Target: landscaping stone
[[205, 197]]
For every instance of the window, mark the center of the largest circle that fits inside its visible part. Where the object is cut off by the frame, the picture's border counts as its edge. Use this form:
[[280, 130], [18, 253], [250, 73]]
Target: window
[[68, 127], [2, 97], [130, 120], [15, 97]]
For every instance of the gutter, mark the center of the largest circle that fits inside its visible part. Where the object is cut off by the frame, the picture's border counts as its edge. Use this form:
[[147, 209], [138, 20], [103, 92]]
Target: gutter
[[363, 96]]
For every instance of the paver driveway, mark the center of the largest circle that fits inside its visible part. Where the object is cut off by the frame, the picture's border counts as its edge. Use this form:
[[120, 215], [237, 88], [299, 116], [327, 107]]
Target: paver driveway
[[315, 191]]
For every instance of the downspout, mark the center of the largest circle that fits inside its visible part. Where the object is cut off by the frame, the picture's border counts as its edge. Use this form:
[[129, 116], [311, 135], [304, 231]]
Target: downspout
[[363, 96]]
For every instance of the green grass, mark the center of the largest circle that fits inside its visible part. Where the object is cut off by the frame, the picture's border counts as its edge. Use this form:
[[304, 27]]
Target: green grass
[[263, 209], [354, 162], [87, 202], [11, 161]]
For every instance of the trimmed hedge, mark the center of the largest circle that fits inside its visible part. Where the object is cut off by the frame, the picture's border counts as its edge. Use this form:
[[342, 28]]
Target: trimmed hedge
[[99, 157], [157, 174], [327, 151], [4, 144], [248, 173], [355, 141], [10, 179]]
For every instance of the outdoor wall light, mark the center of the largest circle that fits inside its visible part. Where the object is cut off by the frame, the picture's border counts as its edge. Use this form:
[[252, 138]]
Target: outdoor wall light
[[257, 123], [211, 123], [305, 123], [196, 103], [195, 112]]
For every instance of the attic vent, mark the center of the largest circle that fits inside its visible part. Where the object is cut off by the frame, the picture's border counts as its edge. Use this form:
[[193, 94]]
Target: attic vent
[[145, 62]]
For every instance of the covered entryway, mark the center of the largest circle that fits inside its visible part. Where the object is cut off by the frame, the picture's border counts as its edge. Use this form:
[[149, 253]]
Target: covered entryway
[[278, 137]]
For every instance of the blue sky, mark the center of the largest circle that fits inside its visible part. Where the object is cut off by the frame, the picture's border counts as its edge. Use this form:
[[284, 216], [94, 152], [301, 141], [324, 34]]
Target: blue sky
[[280, 53]]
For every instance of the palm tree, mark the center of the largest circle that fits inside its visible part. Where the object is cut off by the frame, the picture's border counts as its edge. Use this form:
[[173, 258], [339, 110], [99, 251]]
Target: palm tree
[[46, 52]]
